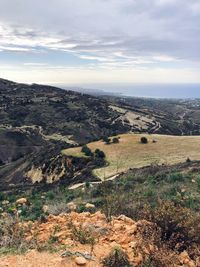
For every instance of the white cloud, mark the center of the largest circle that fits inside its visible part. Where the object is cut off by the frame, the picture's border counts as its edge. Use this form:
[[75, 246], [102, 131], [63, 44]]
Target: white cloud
[[104, 34]]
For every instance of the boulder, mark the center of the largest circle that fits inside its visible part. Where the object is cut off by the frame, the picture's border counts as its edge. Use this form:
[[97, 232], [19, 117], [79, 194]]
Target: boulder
[[71, 206], [21, 201], [45, 208], [5, 202], [80, 261], [89, 206]]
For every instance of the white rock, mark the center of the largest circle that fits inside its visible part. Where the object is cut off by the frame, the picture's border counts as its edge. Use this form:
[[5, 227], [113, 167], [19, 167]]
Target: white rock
[[80, 261], [45, 208], [71, 206], [89, 206], [21, 201]]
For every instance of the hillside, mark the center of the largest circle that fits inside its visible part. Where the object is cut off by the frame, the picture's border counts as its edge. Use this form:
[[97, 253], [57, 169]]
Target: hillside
[[130, 153], [90, 240], [37, 122], [80, 117]]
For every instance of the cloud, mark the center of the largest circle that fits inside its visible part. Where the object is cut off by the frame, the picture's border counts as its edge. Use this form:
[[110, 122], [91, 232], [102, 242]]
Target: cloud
[[103, 33]]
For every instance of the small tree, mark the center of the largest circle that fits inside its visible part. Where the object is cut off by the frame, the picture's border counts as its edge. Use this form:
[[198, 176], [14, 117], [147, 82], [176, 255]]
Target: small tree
[[115, 140], [87, 151], [144, 140], [99, 154], [106, 140]]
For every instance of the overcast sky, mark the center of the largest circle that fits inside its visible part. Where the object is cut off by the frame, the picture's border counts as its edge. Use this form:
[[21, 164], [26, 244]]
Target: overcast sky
[[100, 41]]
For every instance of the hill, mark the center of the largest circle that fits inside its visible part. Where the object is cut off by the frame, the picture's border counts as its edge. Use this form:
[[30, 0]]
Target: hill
[[131, 153], [38, 121]]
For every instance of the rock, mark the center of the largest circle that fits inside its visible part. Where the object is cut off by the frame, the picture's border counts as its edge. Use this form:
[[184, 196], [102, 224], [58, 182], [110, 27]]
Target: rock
[[125, 219], [5, 202], [131, 229], [19, 212], [99, 216], [80, 261], [133, 244], [89, 206], [21, 201], [45, 208], [71, 206], [184, 257], [191, 264]]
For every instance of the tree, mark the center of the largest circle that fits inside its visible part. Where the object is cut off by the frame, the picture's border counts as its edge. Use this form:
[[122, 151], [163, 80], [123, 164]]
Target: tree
[[99, 154], [87, 151], [106, 140], [144, 140], [115, 140]]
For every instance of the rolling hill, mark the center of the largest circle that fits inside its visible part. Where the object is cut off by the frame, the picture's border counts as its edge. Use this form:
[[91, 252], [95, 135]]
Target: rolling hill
[[38, 121], [131, 153]]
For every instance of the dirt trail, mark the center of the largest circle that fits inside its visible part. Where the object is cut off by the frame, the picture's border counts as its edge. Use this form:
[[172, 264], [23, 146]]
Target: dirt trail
[[37, 259]]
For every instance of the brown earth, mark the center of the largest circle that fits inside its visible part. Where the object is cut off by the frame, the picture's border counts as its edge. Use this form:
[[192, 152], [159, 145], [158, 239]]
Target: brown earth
[[121, 232]]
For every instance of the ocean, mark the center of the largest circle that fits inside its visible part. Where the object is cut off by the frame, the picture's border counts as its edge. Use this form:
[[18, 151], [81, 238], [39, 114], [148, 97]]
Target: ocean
[[139, 90]]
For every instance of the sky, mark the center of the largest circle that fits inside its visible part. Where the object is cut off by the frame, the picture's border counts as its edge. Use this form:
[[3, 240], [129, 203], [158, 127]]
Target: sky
[[100, 41]]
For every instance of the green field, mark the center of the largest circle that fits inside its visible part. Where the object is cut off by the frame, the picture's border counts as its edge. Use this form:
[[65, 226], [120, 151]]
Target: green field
[[130, 153]]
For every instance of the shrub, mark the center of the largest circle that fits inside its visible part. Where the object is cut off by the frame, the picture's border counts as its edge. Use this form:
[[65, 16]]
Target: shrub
[[50, 195], [198, 183], [188, 160], [87, 151], [144, 140], [106, 140], [175, 177], [87, 184], [112, 203], [35, 210], [99, 154], [2, 196], [115, 140], [83, 235], [12, 235], [116, 258], [180, 227]]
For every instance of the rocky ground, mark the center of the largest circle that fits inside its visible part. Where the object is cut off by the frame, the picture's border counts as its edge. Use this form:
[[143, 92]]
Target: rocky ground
[[86, 240]]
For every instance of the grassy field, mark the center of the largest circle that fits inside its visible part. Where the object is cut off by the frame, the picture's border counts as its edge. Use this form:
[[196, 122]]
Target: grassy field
[[130, 153]]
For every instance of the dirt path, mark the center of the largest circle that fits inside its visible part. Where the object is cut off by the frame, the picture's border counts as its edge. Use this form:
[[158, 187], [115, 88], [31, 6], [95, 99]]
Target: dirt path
[[37, 259]]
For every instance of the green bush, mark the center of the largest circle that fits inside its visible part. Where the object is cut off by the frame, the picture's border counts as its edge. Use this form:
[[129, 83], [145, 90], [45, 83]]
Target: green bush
[[2, 196], [116, 258], [106, 140], [198, 183], [144, 140], [50, 195], [115, 140], [175, 177], [87, 151], [99, 154]]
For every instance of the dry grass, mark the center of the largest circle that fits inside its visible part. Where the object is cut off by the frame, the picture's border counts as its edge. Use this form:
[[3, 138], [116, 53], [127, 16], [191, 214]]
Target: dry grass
[[130, 153]]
